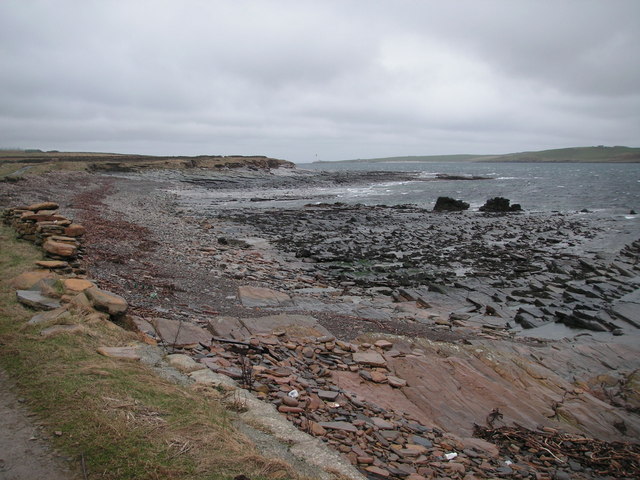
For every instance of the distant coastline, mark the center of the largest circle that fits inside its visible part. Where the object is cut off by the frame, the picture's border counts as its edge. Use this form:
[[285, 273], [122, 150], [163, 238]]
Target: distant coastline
[[599, 154]]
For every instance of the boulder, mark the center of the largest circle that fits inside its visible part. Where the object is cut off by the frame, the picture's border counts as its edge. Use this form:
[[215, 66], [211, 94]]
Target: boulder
[[500, 204], [108, 302], [448, 204]]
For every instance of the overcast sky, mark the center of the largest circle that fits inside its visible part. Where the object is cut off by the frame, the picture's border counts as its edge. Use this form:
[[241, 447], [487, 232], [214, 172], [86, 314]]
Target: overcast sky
[[322, 79]]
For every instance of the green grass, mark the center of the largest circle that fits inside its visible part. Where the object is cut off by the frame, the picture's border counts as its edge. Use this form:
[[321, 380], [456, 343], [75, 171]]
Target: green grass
[[124, 420]]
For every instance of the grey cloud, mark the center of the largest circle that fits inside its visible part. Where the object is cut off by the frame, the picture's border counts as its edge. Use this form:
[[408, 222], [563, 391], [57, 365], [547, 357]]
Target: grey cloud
[[296, 78]]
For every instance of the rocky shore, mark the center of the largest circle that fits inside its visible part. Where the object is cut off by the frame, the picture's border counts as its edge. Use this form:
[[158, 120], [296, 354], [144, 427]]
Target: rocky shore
[[393, 334]]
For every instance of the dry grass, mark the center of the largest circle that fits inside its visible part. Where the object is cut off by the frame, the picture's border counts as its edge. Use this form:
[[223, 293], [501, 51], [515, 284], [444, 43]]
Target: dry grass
[[120, 417]]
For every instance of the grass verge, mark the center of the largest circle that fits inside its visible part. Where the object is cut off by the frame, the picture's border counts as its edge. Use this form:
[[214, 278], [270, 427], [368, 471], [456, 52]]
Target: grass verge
[[120, 417]]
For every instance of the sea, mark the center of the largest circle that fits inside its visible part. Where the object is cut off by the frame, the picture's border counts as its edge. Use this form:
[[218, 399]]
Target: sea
[[544, 187]]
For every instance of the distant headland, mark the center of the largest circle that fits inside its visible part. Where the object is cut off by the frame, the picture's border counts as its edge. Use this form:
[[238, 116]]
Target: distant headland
[[599, 154]]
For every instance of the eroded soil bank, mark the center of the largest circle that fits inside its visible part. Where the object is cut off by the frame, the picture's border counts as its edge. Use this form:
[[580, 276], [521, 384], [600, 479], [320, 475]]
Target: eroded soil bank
[[463, 299]]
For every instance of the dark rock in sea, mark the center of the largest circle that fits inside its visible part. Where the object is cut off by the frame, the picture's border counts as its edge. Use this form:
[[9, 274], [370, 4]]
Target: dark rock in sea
[[500, 204], [632, 212], [448, 204]]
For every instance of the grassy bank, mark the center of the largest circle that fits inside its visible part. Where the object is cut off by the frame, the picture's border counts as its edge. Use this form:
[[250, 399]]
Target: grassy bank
[[119, 417]]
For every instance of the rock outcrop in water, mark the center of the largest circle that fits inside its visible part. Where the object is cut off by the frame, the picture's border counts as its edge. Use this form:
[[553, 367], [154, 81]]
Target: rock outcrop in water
[[448, 204], [500, 205]]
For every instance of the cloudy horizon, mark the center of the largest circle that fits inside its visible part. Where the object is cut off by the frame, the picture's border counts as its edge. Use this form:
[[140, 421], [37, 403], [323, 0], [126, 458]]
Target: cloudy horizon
[[331, 80]]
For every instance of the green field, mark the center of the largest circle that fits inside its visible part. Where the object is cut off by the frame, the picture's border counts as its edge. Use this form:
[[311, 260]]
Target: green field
[[597, 154]]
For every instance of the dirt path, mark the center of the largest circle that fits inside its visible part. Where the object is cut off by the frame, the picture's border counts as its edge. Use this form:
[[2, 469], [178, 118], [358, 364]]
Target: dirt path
[[24, 453]]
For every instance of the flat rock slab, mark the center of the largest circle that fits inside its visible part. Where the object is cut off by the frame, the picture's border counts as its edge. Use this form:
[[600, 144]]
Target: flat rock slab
[[173, 332], [262, 297], [34, 299], [344, 426], [369, 358], [52, 264], [60, 249], [304, 325], [77, 284], [48, 316], [228, 327], [27, 280], [121, 353], [184, 363], [58, 329], [628, 308]]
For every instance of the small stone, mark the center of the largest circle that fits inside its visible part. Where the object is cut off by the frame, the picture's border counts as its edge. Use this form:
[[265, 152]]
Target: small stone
[[345, 426], [561, 475], [316, 429], [378, 377], [75, 230], [396, 382], [365, 460], [382, 424], [328, 395], [377, 471], [287, 409], [384, 344], [290, 402]]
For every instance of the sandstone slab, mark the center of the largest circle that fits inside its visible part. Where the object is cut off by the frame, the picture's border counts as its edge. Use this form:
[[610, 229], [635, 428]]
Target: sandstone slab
[[173, 332], [121, 353], [262, 297], [106, 301], [35, 299], [369, 358], [43, 206], [27, 280], [59, 329], [289, 323], [48, 316], [52, 264], [75, 230], [77, 284], [184, 363], [60, 249]]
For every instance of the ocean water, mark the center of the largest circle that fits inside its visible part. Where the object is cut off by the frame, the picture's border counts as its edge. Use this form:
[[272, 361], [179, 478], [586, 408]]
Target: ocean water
[[599, 187]]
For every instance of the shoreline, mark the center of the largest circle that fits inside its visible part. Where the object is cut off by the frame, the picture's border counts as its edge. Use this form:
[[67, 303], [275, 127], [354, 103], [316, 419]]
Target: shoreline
[[170, 264]]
